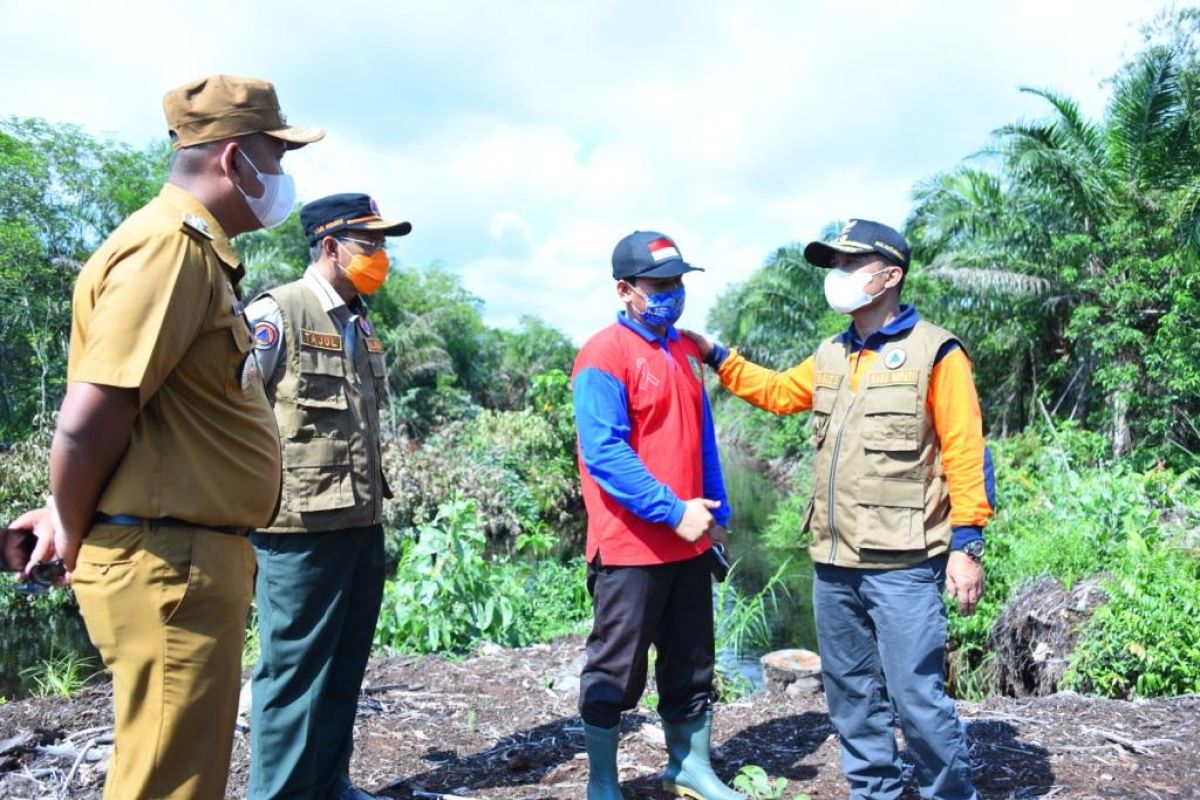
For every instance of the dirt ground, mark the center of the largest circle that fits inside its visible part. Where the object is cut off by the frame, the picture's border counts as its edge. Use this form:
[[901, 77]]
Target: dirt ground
[[502, 724]]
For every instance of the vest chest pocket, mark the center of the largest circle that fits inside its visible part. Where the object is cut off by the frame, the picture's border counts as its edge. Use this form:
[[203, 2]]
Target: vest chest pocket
[[316, 475], [890, 418], [321, 383], [822, 411], [891, 514]]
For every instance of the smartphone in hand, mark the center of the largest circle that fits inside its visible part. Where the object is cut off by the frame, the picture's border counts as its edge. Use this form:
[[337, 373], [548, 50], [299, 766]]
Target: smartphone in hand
[[720, 565], [17, 549]]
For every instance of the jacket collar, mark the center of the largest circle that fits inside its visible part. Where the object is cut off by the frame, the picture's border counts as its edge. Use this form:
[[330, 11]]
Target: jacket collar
[[647, 334], [904, 321]]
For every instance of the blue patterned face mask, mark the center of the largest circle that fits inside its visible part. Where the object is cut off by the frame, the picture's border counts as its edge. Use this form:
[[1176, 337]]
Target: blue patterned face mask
[[663, 309]]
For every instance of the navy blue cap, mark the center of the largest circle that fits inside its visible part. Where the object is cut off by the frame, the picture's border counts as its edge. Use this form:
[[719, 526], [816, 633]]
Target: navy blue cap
[[862, 236], [348, 211], [648, 254]]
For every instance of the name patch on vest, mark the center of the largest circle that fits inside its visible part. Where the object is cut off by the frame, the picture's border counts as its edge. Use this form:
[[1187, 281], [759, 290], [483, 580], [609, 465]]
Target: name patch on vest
[[903, 377], [374, 344], [827, 380], [321, 341]]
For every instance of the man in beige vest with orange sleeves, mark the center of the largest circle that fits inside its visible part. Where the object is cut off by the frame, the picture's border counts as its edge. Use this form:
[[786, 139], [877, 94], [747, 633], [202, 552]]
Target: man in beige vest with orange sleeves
[[320, 563], [900, 498]]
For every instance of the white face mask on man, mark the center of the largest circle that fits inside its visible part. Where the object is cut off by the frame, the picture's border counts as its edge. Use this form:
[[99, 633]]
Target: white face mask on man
[[278, 197], [846, 291]]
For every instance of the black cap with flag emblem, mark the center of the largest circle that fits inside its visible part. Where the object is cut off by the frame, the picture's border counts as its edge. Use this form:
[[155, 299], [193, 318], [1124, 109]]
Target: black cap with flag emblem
[[648, 254]]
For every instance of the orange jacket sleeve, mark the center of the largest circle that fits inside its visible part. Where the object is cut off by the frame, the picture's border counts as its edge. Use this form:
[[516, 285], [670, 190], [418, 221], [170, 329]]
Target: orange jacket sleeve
[[785, 392], [954, 406]]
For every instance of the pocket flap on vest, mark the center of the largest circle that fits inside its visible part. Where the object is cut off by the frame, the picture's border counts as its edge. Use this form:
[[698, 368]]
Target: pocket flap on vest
[[890, 492], [318, 390], [316, 475], [891, 399], [320, 451], [321, 362]]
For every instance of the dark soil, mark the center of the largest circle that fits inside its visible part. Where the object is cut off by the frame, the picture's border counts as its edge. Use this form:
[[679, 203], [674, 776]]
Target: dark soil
[[502, 724]]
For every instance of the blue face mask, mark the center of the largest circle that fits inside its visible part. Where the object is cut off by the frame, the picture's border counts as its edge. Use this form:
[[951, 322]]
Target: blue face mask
[[663, 309]]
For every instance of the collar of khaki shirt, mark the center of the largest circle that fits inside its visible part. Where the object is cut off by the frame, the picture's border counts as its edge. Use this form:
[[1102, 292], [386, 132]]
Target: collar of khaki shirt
[[189, 206], [328, 296]]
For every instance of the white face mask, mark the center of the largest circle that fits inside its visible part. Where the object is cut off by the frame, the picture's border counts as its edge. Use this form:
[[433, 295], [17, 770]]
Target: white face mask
[[844, 291], [278, 198]]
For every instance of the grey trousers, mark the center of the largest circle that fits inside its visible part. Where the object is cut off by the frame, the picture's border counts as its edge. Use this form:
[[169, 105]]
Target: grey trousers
[[882, 637]]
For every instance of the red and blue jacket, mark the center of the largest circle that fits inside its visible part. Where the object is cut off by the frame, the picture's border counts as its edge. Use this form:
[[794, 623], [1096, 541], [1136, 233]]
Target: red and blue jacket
[[646, 443]]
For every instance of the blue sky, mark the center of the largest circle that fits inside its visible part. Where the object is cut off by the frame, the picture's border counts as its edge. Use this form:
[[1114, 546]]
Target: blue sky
[[523, 139]]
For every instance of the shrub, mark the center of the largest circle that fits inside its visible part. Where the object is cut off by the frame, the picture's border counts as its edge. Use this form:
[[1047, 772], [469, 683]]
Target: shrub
[[1145, 641], [1066, 512], [447, 597]]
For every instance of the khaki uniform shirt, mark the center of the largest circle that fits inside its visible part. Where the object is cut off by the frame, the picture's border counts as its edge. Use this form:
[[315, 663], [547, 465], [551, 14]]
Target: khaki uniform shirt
[[156, 309]]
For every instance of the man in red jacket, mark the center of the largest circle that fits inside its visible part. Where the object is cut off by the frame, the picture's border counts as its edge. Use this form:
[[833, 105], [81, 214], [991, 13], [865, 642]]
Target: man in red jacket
[[656, 502]]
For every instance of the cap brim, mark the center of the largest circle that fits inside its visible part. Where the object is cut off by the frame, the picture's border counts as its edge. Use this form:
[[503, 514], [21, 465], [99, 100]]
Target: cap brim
[[296, 136], [668, 269], [384, 226], [820, 254]]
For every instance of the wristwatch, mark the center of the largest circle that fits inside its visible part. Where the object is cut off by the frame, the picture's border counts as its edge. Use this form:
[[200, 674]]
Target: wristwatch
[[974, 549]]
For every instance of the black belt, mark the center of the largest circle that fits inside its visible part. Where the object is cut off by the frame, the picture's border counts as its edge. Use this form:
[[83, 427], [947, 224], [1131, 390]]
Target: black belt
[[170, 522]]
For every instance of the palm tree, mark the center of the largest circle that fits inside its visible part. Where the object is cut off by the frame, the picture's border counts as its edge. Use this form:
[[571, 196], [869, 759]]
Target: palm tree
[[1079, 232]]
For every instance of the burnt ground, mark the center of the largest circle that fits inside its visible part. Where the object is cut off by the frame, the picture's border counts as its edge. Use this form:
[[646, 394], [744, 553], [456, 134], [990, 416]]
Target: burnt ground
[[502, 724]]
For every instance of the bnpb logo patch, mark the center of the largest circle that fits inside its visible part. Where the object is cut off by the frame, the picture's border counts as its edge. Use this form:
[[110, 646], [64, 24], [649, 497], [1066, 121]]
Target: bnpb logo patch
[[266, 334]]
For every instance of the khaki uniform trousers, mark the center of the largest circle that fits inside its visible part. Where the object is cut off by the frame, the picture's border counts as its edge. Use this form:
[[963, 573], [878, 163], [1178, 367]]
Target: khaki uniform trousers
[[166, 607]]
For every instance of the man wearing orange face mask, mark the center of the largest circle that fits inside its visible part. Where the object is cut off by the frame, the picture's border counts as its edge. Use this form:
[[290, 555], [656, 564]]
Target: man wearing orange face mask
[[320, 564]]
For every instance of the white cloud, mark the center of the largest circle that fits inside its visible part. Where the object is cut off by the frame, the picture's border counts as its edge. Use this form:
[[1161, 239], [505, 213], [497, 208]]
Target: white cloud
[[523, 139]]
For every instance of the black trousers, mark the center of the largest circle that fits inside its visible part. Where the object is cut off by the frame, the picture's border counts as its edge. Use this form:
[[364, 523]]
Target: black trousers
[[667, 605]]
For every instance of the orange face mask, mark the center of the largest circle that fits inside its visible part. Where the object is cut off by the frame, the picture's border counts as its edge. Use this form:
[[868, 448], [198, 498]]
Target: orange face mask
[[367, 273]]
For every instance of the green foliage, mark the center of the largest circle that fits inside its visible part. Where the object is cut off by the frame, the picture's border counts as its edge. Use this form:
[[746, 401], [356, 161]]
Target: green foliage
[[1146, 640], [740, 619], [729, 683], [62, 675], [24, 475], [446, 596], [1065, 514], [61, 192], [753, 781], [1068, 256], [779, 315], [783, 531], [252, 644], [433, 327], [517, 466], [273, 256]]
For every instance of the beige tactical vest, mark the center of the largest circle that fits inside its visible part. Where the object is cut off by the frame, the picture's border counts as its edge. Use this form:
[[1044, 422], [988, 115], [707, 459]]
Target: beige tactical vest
[[327, 406], [879, 491]]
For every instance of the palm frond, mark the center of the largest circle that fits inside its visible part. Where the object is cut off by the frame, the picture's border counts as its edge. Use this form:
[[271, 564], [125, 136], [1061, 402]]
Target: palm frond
[[994, 280], [1143, 115]]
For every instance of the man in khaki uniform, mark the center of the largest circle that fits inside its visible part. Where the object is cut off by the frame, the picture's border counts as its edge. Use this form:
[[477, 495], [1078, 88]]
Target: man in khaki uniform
[[320, 563], [166, 451]]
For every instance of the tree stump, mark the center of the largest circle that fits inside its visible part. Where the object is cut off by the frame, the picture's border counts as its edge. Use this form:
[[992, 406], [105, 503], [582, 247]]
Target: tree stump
[[792, 671], [1034, 635]]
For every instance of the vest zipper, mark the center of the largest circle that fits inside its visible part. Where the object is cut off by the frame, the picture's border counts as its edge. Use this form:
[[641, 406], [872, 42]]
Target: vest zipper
[[837, 448]]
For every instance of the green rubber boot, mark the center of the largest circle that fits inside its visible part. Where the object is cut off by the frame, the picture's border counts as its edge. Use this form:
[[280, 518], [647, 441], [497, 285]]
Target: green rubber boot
[[603, 782], [689, 771]]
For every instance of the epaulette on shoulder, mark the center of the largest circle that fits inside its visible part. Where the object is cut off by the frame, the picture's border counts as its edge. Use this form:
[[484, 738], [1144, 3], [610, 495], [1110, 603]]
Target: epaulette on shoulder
[[194, 225]]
